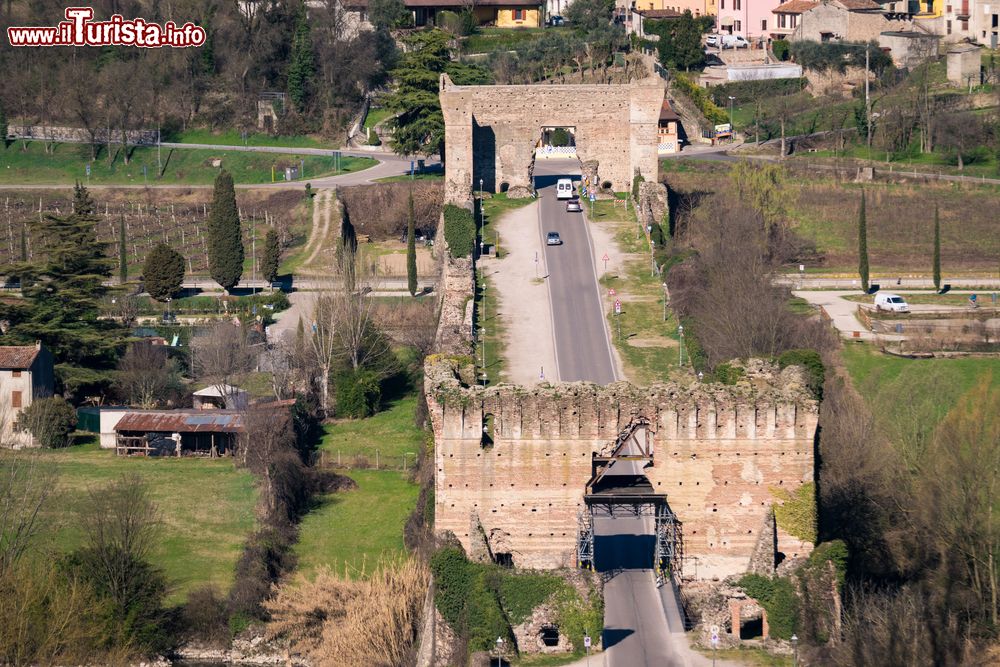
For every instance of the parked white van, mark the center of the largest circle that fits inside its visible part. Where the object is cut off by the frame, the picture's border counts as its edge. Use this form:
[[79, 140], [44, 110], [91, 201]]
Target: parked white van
[[564, 188], [734, 42], [892, 303]]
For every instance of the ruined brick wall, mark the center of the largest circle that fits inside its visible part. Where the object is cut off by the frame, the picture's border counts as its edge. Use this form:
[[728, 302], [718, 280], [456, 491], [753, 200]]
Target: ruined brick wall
[[491, 131], [719, 450]]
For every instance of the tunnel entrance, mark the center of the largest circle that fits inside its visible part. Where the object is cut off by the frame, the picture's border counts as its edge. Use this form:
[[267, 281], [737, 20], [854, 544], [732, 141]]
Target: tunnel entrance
[[626, 525]]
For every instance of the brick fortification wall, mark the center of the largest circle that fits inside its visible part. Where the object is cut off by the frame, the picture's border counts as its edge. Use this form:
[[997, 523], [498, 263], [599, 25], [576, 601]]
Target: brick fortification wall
[[491, 131], [719, 453]]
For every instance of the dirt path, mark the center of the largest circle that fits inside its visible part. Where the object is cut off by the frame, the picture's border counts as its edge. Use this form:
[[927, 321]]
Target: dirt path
[[323, 205], [523, 300]]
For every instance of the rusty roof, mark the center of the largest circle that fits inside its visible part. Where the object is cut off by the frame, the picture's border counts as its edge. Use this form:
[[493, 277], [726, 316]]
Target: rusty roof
[[18, 357], [181, 421], [794, 7]]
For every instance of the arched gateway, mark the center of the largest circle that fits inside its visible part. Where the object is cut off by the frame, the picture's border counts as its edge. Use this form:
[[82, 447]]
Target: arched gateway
[[491, 131]]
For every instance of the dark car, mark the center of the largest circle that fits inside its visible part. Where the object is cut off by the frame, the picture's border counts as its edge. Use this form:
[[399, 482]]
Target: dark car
[[573, 207], [552, 238], [555, 20]]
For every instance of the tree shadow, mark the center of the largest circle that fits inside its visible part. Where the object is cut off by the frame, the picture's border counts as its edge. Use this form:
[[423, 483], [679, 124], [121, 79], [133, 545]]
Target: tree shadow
[[612, 636]]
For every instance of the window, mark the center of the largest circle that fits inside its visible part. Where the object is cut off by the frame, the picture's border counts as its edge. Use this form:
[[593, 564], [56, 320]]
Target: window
[[965, 25], [15, 399], [722, 4], [15, 374], [948, 24], [738, 26], [736, 4], [795, 21], [518, 14], [763, 24]]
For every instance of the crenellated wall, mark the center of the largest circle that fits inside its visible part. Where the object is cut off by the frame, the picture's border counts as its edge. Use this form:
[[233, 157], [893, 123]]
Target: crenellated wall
[[719, 451]]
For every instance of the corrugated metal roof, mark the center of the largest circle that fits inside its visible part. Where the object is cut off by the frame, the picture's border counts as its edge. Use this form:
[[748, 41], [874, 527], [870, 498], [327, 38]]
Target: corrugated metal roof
[[181, 421]]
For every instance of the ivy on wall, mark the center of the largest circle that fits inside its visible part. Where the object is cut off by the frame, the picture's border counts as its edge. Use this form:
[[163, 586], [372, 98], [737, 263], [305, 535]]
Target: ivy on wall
[[795, 512]]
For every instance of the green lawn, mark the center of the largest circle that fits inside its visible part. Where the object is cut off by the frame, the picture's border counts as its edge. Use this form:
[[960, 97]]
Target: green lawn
[[234, 138], [487, 40], [375, 116], [352, 530], [493, 338], [67, 163], [433, 176], [206, 508], [391, 433]]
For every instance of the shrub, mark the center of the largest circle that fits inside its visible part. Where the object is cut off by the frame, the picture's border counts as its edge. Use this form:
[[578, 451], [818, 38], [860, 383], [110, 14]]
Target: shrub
[[373, 138], [822, 56], [204, 616], [812, 362], [358, 393], [578, 617], [637, 182], [700, 97], [560, 137], [748, 90], [520, 593], [778, 598], [163, 272], [459, 230], [49, 420], [780, 48], [728, 374], [835, 552]]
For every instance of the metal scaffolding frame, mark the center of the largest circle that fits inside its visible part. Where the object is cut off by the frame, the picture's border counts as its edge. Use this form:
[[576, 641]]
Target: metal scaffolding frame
[[585, 541], [669, 547]]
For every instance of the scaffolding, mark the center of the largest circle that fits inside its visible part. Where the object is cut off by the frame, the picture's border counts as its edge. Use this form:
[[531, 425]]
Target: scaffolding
[[585, 541], [669, 548]]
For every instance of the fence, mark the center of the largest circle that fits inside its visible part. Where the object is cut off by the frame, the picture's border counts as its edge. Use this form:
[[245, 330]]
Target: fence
[[555, 152], [361, 461]]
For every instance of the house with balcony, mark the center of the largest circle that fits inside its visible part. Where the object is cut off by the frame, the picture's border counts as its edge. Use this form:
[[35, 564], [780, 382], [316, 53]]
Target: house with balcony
[[752, 19], [668, 131]]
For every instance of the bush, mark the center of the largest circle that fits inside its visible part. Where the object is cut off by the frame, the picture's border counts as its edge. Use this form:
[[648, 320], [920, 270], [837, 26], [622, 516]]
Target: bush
[[163, 272], [748, 90], [49, 420], [778, 597], [823, 56], [459, 230], [460, 24], [204, 616], [812, 362], [266, 556], [520, 593], [373, 138], [728, 374], [578, 617], [700, 97], [560, 137], [780, 48], [358, 393]]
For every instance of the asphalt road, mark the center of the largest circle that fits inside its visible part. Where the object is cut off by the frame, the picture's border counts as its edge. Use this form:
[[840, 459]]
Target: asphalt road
[[583, 351]]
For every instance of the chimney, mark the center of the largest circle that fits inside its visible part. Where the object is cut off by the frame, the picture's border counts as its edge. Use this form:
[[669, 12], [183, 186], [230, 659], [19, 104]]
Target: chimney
[[38, 344]]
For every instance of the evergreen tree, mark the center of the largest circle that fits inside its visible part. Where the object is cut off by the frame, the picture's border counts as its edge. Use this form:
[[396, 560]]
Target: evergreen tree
[[225, 240], [3, 126], [411, 248], [272, 256], [122, 252], [389, 14], [163, 272], [863, 245], [63, 288], [418, 126], [302, 65], [937, 250]]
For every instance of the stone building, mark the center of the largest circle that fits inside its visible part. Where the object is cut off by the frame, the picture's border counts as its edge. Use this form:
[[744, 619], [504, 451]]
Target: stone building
[[836, 20], [26, 373], [517, 462]]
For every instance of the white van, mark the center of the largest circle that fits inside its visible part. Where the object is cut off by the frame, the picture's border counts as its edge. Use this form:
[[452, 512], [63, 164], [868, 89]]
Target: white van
[[734, 42], [564, 188], [892, 303]]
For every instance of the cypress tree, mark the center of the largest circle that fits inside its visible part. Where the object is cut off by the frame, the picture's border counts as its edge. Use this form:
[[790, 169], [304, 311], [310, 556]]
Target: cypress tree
[[411, 248], [937, 250], [163, 272], [122, 253], [863, 244], [302, 65], [272, 256], [225, 240]]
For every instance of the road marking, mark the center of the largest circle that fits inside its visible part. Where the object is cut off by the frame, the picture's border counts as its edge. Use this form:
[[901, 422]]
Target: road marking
[[548, 285]]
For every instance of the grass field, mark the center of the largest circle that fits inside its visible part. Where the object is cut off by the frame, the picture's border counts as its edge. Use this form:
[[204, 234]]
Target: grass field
[[375, 116], [206, 509], [352, 530], [234, 138], [487, 40], [67, 164], [392, 433]]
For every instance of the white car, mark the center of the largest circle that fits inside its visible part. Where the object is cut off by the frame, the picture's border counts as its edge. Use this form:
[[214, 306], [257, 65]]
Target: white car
[[552, 238], [712, 40], [573, 206], [734, 42], [892, 303]]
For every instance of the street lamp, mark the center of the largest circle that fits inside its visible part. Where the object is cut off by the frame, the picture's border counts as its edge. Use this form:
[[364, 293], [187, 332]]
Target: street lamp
[[664, 302], [680, 348], [731, 128], [795, 651], [499, 650]]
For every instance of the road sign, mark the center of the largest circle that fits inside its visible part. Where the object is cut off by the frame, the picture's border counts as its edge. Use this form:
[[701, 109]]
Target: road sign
[[618, 307], [88, 170], [586, 641], [612, 292], [605, 258], [715, 640], [593, 197], [714, 630]]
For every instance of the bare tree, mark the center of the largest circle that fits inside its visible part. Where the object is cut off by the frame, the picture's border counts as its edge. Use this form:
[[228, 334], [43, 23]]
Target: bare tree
[[221, 354], [25, 488], [268, 450], [125, 308], [146, 375], [361, 341]]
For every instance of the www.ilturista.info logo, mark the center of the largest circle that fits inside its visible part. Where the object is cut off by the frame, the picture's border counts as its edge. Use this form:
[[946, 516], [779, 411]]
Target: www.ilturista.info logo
[[79, 30]]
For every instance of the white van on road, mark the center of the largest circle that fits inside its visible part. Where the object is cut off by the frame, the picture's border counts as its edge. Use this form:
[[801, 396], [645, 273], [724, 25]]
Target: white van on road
[[734, 42], [892, 303], [564, 188]]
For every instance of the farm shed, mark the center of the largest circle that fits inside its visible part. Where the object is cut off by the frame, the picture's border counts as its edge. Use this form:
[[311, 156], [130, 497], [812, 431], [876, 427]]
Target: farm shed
[[199, 432]]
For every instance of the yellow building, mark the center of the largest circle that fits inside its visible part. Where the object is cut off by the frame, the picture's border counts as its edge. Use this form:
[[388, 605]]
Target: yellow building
[[696, 7], [515, 16], [499, 13], [929, 9]]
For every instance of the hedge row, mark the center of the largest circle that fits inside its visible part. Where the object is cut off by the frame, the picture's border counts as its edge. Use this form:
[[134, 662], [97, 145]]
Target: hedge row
[[700, 97], [746, 90], [459, 230]]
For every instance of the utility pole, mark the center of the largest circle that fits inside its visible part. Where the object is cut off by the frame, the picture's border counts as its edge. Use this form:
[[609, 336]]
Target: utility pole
[[868, 104]]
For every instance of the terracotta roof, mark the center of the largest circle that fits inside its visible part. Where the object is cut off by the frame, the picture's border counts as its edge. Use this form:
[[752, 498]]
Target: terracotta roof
[[181, 421], [450, 4], [853, 5], [17, 357], [657, 13], [794, 7], [667, 112]]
